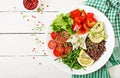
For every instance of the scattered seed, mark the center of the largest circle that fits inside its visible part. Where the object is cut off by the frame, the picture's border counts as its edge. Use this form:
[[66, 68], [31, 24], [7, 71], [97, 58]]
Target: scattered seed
[[44, 53], [42, 4], [33, 57], [28, 20], [40, 63], [47, 5]]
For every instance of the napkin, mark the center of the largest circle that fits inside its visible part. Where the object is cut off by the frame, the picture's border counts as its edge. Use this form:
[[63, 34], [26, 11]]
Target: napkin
[[111, 9]]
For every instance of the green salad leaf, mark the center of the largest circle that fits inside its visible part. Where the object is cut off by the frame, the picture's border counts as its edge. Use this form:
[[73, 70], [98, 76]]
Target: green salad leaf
[[63, 22], [71, 59]]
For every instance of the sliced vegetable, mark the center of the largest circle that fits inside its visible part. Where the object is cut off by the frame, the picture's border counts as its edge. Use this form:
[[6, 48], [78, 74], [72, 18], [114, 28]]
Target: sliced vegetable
[[65, 34], [90, 21], [84, 59], [97, 37], [75, 13], [83, 16], [78, 20], [68, 47], [54, 35], [76, 26], [98, 27], [52, 44], [58, 51], [86, 27], [61, 39], [82, 21], [83, 13], [81, 31], [97, 33], [90, 15]]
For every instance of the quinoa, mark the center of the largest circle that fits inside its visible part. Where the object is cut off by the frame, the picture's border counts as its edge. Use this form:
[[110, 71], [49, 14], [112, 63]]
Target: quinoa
[[95, 50]]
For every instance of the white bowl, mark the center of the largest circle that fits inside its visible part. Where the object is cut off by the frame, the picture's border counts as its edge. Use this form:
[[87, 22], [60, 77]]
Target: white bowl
[[109, 41]]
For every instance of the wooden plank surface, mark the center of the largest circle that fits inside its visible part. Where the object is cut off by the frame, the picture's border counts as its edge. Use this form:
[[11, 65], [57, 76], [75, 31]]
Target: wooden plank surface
[[23, 51]]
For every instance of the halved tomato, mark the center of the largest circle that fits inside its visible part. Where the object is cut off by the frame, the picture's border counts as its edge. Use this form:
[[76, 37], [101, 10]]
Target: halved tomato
[[59, 50], [60, 39], [67, 48], [54, 35], [52, 44], [65, 34]]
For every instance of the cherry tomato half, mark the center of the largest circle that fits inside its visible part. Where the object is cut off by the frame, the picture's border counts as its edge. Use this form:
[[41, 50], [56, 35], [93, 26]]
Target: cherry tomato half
[[52, 44], [54, 35], [67, 47], [58, 51]]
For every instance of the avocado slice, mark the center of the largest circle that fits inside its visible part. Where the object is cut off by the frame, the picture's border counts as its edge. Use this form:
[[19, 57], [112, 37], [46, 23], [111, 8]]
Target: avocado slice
[[98, 27], [97, 37]]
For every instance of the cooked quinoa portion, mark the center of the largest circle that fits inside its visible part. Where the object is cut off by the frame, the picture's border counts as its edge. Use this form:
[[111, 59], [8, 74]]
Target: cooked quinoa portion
[[95, 50]]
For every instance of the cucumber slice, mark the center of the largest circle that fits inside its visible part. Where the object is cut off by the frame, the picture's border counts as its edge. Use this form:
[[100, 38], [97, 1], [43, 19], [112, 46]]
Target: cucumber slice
[[97, 38], [98, 27]]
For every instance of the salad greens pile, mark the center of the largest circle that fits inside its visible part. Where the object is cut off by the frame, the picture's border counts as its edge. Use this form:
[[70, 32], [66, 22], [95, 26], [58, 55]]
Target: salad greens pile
[[69, 33], [71, 59], [63, 22]]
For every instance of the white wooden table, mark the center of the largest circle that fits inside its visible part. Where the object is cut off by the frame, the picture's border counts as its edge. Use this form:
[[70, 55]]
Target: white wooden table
[[22, 54]]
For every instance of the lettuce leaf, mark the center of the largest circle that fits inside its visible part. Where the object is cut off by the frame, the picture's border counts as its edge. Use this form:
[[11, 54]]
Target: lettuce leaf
[[63, 22]]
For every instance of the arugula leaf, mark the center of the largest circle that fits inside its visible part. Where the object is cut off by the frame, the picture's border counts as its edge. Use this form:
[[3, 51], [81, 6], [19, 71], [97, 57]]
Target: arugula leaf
[[71, 59]]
